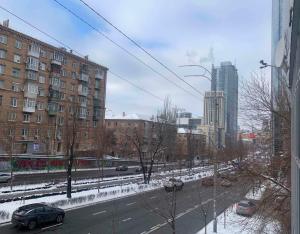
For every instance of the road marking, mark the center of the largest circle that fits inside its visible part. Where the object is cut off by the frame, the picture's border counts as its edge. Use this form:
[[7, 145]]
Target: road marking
[[129, 204], [100, 212], [152, 197], [125, 220], [55, 225]]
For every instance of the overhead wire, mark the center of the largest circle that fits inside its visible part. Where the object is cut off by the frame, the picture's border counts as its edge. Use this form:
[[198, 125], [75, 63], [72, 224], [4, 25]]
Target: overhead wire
[[67, 46], [131, 54]]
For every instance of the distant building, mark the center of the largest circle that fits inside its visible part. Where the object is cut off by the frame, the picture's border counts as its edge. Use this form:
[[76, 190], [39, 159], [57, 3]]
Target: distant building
[[186, 120], [210, 113], [225, 78]]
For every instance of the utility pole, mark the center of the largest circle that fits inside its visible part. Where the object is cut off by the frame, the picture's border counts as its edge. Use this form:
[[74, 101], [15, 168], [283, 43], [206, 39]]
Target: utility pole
[[214, 86]]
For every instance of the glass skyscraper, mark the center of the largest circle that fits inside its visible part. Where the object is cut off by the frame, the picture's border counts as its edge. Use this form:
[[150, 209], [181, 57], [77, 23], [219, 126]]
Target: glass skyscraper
[[225, 78]]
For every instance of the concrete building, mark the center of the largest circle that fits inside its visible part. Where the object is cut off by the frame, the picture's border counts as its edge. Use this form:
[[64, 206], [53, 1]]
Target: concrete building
[[38, 84], [225, 78], [280, 25], [186, 120], [210, 113]]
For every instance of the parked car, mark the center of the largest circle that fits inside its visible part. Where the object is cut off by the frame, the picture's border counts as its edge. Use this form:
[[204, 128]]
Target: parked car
[[246, 208], [225, 183], [5, 177], [209, 181], [36, 214], [122, 168], [173, 184], [140, 169]]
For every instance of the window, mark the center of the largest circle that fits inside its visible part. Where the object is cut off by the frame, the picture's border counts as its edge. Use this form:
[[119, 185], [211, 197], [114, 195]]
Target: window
[[72, 87], [94, 124], [74, 65], [17, 58], [18, 44], [41, 92], [15, 72], [2, 69], [62, 84], [43, 53], [1, 99], [42, 79], [62, 96], [15, 87], [63, 72], [26, 118], [73, 74], [72, 98], [24, 132], [61, 120], [37, 132], [2, 54], [61, 108], [32, 63], [39, 118], [1, 84], [3, 39], [12, 116], [40, 106], [43, 66], [97, 84], [13, 102]]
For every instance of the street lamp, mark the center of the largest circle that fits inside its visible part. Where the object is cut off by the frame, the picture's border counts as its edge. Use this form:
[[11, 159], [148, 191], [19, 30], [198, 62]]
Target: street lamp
[[214, 87]]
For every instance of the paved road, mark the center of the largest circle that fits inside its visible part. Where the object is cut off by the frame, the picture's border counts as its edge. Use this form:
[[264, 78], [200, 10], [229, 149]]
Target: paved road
[[61, 175], [138, 214]]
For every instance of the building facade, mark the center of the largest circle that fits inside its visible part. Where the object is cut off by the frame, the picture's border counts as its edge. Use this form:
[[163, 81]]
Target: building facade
[[212, 111], [225, 78], [293, 43], [39, 86]]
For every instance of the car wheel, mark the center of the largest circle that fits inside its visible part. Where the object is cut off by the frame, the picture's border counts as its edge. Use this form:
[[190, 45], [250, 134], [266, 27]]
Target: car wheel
[[59, 218], [32, 225]]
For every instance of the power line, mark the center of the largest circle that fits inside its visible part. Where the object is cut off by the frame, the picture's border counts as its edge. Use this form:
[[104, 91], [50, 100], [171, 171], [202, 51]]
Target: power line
[[139, 46], [65, 45], [130, 53]]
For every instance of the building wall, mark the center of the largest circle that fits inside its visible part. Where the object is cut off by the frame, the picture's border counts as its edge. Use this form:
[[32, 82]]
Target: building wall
[[56, 81]]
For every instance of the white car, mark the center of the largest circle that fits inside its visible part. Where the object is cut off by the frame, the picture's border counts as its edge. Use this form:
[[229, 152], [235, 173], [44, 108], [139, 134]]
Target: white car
[[5, 177], [172, 184]]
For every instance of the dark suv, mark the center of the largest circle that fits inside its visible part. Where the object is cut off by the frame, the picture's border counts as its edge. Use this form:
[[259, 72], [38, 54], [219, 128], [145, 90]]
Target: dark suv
[[36, 214]]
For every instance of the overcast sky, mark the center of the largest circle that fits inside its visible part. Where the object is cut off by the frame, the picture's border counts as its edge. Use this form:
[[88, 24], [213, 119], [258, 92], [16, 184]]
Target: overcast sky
[[176, 32]]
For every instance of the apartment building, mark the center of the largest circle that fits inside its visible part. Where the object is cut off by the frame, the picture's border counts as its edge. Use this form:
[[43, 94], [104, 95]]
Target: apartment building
[[39, 86]]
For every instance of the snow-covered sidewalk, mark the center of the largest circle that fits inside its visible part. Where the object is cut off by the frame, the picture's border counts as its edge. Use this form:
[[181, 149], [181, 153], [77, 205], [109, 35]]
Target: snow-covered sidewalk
[[231, 223]]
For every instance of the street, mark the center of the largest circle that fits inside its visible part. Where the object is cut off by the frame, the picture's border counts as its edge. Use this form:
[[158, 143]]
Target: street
[[138, 213]]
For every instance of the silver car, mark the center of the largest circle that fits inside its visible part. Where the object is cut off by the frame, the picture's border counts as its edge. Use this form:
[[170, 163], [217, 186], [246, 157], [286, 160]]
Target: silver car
[[246, 208], [5, 177]]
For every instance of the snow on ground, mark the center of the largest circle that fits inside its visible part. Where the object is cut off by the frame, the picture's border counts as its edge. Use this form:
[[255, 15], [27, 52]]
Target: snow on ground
[[93, 196], [231, 223]]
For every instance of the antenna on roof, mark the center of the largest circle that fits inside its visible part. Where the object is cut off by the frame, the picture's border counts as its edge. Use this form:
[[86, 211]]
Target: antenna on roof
[[6, 23]]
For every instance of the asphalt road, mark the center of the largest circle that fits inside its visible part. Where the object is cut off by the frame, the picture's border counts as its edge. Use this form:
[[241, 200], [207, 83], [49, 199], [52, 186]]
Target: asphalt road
[[61, 175], [145, 213]]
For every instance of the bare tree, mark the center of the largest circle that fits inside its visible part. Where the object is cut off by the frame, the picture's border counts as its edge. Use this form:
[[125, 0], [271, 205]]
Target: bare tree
[[260, 106], [157, 140], [71, 138]]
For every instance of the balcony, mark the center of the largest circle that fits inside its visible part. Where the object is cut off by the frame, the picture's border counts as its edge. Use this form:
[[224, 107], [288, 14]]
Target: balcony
[[57, 58], [83, 90], [99, 75], [29, 105], [84, 77], [31, 75], [31, 90], [97, 114], [96, 102], [34, 50], [54, 94], [52, 108], [32, 66], [56, 70]]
